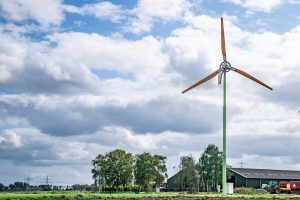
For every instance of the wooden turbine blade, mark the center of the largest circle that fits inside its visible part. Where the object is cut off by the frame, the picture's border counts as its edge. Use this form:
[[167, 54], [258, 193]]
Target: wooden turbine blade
[[223, 46], [252, 78], [215, 73]]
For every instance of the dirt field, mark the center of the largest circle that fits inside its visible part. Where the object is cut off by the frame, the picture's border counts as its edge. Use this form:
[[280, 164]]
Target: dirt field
[[147, 196]]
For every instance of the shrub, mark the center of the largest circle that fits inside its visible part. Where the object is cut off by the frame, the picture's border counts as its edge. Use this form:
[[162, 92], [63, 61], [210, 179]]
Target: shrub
[[244, 190]]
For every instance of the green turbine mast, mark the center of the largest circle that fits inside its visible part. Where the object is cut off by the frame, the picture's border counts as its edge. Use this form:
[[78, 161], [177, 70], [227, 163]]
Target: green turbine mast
[[225, 67]]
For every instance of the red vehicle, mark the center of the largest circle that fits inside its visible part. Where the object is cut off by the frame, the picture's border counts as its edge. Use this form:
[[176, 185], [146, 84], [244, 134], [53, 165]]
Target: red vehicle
[[289, 187]]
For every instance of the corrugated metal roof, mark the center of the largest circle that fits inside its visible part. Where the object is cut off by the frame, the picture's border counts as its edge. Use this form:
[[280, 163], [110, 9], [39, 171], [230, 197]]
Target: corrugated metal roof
[[267, 173]]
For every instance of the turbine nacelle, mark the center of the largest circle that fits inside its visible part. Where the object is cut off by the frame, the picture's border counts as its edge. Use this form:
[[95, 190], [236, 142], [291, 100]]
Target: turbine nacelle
[[225, 66]]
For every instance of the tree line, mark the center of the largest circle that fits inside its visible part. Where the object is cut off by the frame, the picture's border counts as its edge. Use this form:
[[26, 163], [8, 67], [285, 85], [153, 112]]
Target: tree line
[[120, 170], [204, 175], [17, 186], [23, 186]]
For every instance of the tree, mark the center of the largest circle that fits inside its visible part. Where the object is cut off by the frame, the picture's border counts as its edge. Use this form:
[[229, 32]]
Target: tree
[[188, 178], [12, 187], [2, 187], [210, 168], [159, 163], [113, 169], [99, 170], [119, 168], [150, 169], [18, 186]]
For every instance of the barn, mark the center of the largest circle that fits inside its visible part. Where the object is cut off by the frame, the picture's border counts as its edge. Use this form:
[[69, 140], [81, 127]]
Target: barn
[[255, 178]]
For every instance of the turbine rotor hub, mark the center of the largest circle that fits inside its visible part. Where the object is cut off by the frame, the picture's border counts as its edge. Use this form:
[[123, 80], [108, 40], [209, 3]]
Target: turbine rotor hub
[[225, 66]]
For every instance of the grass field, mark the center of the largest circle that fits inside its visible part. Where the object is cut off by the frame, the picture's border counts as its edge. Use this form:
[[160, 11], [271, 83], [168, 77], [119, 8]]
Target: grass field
[[77, 195]]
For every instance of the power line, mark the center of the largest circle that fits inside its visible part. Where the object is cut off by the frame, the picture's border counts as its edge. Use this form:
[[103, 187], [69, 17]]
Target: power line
[[242, 164], [28, 179], [47, 179]]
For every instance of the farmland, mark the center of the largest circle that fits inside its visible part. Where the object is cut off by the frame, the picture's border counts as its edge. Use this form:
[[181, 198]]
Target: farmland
[[144, 196]]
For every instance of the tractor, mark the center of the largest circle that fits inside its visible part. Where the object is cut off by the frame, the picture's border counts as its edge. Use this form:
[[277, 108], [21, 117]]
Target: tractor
[[272, 187]]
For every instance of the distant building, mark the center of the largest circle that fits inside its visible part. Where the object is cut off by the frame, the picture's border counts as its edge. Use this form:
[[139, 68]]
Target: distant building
[[174, 183], [255, 178], [243, 177]]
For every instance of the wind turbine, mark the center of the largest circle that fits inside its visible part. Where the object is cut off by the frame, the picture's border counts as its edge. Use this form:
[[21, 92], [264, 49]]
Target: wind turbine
[[225, 67]]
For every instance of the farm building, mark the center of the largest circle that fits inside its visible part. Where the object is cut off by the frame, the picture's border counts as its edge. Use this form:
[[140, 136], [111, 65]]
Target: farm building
[[174, 183], [255, 178], [244, 177]]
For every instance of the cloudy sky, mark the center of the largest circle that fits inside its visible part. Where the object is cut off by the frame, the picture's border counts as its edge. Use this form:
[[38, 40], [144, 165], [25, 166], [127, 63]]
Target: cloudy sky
[[80, 78]]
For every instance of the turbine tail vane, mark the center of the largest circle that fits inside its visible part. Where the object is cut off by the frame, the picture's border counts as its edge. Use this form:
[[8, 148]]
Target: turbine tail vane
[[220, 77], [215, 73], [223, 46], [251, 77]]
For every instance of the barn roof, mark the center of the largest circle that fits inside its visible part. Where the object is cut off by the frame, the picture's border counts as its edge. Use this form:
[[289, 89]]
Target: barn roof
[[267, 173]]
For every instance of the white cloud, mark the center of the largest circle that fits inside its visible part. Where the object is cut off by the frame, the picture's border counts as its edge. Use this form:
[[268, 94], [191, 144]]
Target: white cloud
[[89, 113], [10, 138], [264, 6], [101, 10], [149, 11], [12, 56], [23, 58], [46, 12], [104, 10], [113, 53], [29, 146]]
